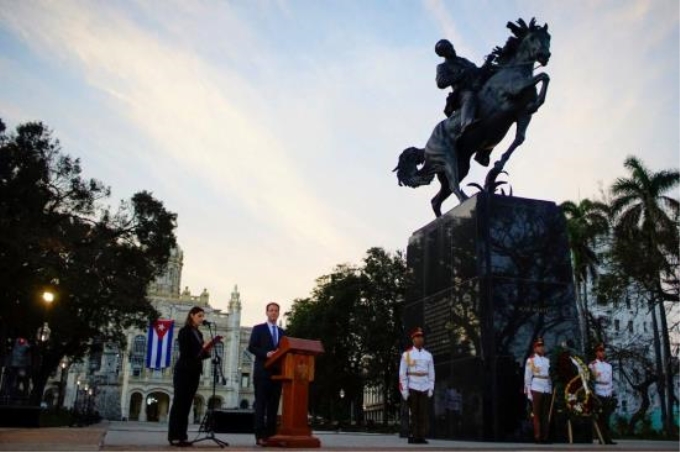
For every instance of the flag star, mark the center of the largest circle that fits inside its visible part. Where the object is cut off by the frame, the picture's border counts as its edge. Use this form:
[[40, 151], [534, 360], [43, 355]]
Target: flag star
[[161, 327]]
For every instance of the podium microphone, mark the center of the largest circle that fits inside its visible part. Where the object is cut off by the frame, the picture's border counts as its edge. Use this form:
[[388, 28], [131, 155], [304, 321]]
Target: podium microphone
[[206, 323]]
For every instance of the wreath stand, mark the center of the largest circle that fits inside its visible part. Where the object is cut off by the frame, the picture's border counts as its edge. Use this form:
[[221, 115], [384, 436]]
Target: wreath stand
[[570, 432], [597, 430]]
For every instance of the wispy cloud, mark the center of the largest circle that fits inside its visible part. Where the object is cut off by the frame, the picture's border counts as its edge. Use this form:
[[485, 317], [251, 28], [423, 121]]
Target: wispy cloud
[[201, 118], [273, 134]]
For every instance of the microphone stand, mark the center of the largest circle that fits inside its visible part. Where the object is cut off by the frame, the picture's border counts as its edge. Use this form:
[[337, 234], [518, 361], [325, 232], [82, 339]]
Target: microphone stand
[[208, 423]]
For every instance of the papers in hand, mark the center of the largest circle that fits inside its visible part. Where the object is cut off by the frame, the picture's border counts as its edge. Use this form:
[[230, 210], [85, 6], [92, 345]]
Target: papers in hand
[[212, 342]]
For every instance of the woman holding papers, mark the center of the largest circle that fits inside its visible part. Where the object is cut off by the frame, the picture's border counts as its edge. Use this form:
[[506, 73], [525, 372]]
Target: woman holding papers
[[188, 368]]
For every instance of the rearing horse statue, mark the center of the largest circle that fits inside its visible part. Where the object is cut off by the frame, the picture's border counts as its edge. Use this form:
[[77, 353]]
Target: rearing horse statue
[[508, 96]]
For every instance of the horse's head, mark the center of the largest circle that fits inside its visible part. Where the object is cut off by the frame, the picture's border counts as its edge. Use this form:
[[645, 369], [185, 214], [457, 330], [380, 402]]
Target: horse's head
[[537, 45], [531, 42]]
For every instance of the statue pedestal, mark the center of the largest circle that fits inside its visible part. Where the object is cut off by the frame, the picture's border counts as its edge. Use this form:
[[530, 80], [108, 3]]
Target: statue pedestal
[[491, 274]]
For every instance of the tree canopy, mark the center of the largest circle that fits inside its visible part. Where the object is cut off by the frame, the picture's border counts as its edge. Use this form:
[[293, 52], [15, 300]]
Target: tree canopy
[[646, 220], [356, 313], [638, 258], [57, 234]]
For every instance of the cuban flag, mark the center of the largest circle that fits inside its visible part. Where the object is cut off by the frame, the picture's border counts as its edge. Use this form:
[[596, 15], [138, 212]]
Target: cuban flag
[[159, 344]]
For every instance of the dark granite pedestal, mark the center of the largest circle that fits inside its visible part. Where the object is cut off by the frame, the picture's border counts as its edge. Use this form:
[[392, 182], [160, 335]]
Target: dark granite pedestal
[[490, 275]]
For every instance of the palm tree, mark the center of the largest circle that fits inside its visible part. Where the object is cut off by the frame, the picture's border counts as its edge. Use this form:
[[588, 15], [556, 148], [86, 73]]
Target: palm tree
[[645, 214], [586, 221]]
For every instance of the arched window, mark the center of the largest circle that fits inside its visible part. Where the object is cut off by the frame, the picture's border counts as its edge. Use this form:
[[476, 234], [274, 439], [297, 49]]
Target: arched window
[[138, 354], [219, 349], [246, 360], [135, 406], [175, 352], [245, 368]]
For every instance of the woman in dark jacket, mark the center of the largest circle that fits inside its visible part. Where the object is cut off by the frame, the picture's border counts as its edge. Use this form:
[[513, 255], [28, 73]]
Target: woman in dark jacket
[[188, 369]]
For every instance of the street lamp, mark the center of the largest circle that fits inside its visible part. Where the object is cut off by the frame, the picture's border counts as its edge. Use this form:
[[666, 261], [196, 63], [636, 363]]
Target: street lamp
[[351, 405], [342, 405], [77, 418], [44, 333], [75, 401], [62, 384], [48, 298], [89, 404]]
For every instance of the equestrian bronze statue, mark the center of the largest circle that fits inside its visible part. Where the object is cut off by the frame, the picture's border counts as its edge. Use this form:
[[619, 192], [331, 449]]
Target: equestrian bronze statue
[[482, 106]]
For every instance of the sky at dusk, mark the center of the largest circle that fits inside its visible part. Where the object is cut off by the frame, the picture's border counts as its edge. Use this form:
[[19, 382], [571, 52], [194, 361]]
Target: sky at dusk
[[271, 127]]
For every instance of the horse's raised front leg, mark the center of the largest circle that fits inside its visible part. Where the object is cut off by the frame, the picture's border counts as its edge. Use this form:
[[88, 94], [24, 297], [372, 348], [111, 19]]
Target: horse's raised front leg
[[522, 124], [544, 80], [444, 192]]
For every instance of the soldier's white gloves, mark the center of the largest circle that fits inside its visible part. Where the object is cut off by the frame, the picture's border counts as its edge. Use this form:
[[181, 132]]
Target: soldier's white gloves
[[404, 394], [429, 393], [530, 396]]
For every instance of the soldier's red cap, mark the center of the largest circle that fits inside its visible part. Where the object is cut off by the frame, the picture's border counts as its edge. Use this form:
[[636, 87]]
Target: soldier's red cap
[[538, 342], [599, 347], [416, 332]]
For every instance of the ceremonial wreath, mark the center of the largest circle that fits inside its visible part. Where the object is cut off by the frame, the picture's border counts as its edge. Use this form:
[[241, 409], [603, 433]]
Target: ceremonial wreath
[[572, 382]]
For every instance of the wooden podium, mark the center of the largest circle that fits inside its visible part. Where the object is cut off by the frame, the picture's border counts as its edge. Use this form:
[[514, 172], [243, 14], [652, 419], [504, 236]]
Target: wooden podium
[[296, 360]]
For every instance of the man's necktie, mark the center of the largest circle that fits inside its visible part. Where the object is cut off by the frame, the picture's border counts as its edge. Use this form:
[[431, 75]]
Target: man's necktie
[[274, 336]]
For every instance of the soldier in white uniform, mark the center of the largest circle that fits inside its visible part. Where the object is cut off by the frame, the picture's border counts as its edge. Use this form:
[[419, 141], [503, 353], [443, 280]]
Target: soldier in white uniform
[[538, 387], [604, 389], [416, 384]]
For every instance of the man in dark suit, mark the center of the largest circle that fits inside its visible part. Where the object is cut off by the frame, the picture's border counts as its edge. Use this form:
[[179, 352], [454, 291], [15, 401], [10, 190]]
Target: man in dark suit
[[264, 341]]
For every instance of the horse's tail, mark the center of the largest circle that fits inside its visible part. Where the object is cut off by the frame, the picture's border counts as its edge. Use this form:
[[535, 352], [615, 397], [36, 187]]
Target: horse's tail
[[407, 168]]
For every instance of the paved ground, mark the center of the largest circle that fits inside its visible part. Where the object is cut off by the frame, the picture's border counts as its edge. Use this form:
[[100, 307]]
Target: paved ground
[[123, 436]]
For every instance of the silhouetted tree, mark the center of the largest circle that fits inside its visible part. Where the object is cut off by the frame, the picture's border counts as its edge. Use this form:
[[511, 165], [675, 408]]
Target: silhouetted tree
[[57, 234], [647, 220], [356, 313], [385, 280], [586, 222], [329, 316]]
